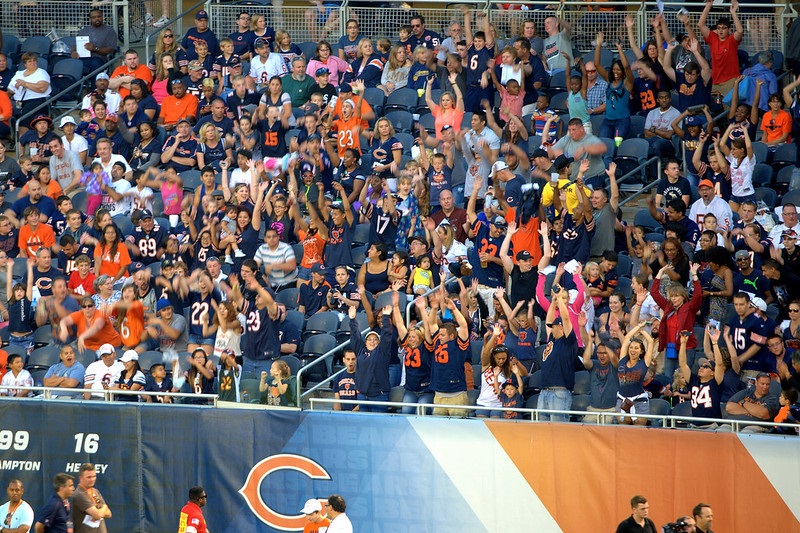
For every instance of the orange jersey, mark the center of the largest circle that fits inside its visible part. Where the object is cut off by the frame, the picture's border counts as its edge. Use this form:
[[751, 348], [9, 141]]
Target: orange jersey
[[131, 326], [107, 335], [348, 134], [29, 241], [141, 72], [173, 109], [313, 245], [775, 126], [111, 265], [526, 237]]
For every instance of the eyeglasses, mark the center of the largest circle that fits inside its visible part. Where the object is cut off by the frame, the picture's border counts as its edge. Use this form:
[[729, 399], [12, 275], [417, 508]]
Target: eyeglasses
[[789, 213], [416, 25], [705, 365], [168, 36], [87, 306], [793, 310], [591, 70]]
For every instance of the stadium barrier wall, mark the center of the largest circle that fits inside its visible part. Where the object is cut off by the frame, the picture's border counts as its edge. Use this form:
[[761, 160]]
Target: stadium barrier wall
[[397, 474]]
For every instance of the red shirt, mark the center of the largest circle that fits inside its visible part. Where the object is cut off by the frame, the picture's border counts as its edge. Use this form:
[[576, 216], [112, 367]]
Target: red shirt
[[191, 515], [724, 58]]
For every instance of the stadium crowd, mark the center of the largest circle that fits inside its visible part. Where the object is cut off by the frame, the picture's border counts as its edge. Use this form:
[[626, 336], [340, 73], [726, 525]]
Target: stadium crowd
[[234, 202]]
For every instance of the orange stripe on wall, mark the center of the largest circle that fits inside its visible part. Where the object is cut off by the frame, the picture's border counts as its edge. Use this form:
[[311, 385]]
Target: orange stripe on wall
[[586, 475]]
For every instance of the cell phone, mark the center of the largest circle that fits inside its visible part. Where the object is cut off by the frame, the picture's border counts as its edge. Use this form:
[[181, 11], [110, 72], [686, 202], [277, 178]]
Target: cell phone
[[714, 324], [556, 289], [685, 333], [648, 322]]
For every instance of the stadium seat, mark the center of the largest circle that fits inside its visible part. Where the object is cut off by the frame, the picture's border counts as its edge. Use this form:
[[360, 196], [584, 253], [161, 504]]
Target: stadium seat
[[56, 56], [80, 200], [606, 57], [343, 333], [299, 252], [558, 102], [86, 357], [324, 322], [293, 362], [659, 407], [406, 139], [785, 155], [361, 234], [123, 222], [296, 318], [783, 180], [250, 389], [766, 195], [359, 255], [682, 409], [475, 350], [396, 396], [630, 154], [403, 99], [532, 402], [558, 83], [645, 219], [65, 73], [149, 358], [428, 122], [762, 175], [760, 152], [42, 336], [624, 265], [466, 122], [579, 403], [191, 179], [581, 382], [309, 49], [313, 348], [637, 127], [375, 98], [11, 47], [289, 135], [597, 121], [43, 358], [654, 237], [624, 286], [534, 381], [38, 44], [19, 350], [401, 120], [288, 297]]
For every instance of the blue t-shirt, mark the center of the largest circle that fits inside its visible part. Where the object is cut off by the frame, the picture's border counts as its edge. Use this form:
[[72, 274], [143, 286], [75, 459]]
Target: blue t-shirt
[[558, 362], [55, 517], [345, 387]]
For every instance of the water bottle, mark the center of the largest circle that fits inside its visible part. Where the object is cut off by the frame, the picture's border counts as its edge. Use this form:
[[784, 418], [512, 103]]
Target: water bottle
[[245, 396]]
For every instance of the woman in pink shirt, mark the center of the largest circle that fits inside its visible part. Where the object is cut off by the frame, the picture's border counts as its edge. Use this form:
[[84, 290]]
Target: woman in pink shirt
[[323, 58]]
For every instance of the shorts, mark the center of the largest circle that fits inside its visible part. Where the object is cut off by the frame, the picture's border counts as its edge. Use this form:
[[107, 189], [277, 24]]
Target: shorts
[[459, 399], [742, 199], [199, 339], [303, 273], [641, 405]]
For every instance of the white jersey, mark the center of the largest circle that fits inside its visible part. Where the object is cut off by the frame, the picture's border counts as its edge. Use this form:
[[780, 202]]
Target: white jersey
[[98, 373], [262, 71], [718, 207], [23, 379]]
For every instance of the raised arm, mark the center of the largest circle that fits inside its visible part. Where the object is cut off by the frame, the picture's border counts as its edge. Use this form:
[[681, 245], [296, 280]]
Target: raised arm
[[629, 24], [701, 23]]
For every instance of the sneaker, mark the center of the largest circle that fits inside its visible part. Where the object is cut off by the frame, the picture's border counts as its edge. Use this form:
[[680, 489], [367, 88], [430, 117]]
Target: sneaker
[[163, 21], [228, 260], [148, 18], [239, 253]]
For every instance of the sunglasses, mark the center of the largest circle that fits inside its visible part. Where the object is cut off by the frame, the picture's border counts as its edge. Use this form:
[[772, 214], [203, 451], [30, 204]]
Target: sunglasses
[[706, 365], [168, 36], [87, 306]]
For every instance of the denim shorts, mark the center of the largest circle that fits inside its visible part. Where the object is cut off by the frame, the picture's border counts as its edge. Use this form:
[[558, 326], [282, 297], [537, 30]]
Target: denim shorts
[[199, 339], [741, 199], [303, 273]]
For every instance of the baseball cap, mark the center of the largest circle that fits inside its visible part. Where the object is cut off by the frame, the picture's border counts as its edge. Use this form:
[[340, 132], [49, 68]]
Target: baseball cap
[[195, 65], [702, 361], [67, 120], [524, 255], [306, 168], [218, 193], [758, 303], [691, 120], [345, 88], [539, 153], [105, 350], [681, 36], [372, 333], [322, 71], [314, 137], [145, 213], [417, 238], [177, 81], [186, 120], [167, 263], [202, 14], [562, 162], [742, 254], [497, 167], [130, 355], [318, 268], [261, 42], [556, 322], [162, 304], [113, 117], [508, 382], [311, 506], [705, 183], [499, 222], [792, 234], [310, 109], [102, 76], [447, 127]]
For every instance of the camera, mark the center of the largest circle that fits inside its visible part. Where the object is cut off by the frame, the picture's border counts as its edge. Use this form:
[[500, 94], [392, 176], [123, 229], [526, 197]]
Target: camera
[[674, 527]]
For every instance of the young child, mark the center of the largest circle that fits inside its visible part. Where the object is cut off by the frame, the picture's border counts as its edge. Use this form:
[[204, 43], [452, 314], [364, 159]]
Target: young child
[[141, 195], [510, 85], [81, 280], [94, 180], [404, 34], [383, 46], [279, 388], [204, 57], [716, 170], [577, 104], [19, 316], [510, 398], [421, 279], [344, 293], [419, 72], [158, 382], [23, 175], [228, 377], [591, 272], [227, 228], [323, 87], [680, 388], [787, 401], [398, 267], [225, 64], [88, 128]]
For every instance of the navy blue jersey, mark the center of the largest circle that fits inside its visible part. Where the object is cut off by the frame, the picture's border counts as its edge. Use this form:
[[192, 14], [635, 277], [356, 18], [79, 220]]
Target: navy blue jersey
[[202, 254], [522, 344], [429, 39], [439, 181], [418, 366], [199, 306], [705, 398], [262, 337], [345, 386], [746, 333], [575, 240], [447, 371], [150, 244], [313, 298], [56, 515], [273, 139], [558, 362], [492, 274], [382, 227], [66, 263], [382, 153], [348, 179], [476, 64], [338, 251]]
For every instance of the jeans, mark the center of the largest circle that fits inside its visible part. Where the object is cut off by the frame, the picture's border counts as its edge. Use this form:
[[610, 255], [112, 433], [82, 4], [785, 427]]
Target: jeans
[[557, 399], [615, 128], [256, 366], [383, 397], [410, 397]]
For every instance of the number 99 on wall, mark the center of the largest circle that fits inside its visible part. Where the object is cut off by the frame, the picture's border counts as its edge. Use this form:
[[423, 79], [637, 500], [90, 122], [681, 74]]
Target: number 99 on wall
[[18, 440]]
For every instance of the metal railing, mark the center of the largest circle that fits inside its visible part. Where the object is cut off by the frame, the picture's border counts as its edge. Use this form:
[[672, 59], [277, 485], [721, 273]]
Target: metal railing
[[177, 18], [667, 421], [49, 393]]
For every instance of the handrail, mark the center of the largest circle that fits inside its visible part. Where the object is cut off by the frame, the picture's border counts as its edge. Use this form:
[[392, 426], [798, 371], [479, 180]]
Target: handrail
[[737, 425], [318, 360], [108, 394], [177, 17], [55, 97], [637, 169]]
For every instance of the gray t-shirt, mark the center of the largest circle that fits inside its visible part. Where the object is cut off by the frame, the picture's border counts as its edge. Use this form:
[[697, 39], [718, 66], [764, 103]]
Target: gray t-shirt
[[102, 37], [167, 343], [569, 147], [603, 239], [8, 167], [61, 169], [603, 386], [553, 47], [770, 401]]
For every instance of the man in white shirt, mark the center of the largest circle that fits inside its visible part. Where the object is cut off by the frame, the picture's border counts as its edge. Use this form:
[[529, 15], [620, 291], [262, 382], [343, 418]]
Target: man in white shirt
[[709, 202], [72, 142], [264, 66], [340, 523], [16, 513], [789, 216], [102, 373], [658, 126], [112, 98], [107, 159]]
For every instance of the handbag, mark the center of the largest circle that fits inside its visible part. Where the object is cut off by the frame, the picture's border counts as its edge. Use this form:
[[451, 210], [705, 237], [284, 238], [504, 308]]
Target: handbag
[[18, 104]]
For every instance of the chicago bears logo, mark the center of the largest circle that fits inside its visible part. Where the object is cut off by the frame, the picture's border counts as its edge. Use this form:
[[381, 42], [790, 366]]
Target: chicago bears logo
[[252, 494], [547, 351]]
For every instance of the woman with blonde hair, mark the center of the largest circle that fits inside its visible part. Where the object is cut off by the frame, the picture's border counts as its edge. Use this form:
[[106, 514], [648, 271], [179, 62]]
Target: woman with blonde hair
[[168, 44], [367, 66], [211, 149], [395, 72]]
